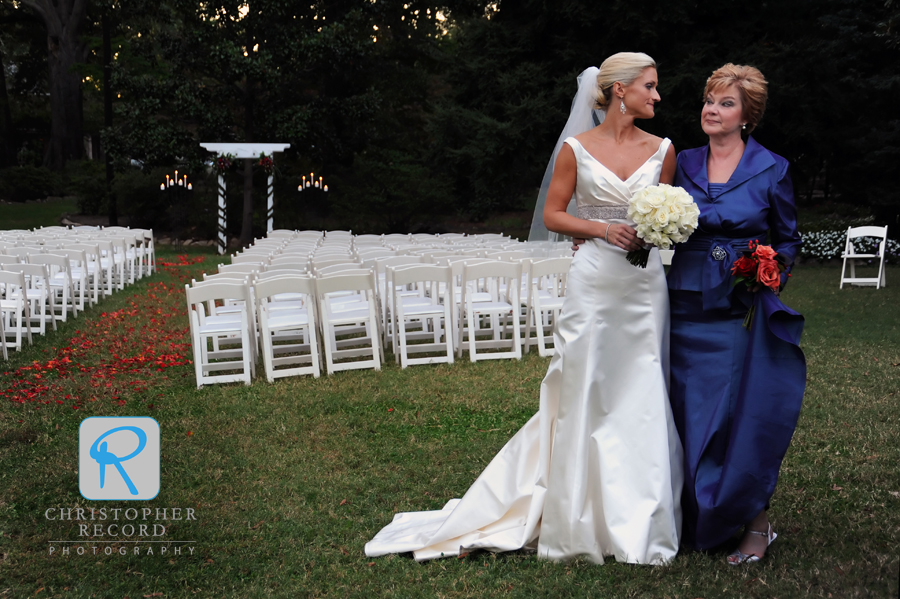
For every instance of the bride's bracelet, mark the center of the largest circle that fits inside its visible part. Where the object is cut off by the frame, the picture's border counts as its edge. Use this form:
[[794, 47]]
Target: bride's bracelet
[[607, 233]]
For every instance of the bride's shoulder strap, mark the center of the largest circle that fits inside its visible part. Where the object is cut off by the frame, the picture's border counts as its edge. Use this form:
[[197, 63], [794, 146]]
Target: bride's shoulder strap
[[664, 145], [572, 142]]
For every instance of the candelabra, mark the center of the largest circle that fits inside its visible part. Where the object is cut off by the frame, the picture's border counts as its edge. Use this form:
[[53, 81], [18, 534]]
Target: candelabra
[[176, 191], [312, 183]]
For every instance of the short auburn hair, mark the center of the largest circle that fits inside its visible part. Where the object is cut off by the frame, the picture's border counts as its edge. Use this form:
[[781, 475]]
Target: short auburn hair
[[751, 84]]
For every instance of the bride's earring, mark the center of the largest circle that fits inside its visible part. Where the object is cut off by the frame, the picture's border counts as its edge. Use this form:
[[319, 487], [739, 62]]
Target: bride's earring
[[622, 106]]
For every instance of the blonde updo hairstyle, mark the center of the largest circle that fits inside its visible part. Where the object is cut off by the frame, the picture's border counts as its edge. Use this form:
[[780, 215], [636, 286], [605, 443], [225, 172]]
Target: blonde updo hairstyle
[[752, 86], [623, 67]]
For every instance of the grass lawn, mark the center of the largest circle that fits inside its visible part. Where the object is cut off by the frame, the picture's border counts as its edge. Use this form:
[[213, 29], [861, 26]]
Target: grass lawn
[[289, 480], [32, 215]]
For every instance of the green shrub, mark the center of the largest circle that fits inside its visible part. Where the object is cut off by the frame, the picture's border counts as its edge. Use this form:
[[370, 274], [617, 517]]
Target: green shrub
[[87, 181], [178, 212], [23, 183]]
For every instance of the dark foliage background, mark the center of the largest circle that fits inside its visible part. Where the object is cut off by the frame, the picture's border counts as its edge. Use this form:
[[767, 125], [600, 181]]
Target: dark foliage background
[[421, 112]]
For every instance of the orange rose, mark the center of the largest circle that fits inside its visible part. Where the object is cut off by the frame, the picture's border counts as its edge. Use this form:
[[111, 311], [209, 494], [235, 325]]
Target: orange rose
[[769, 274], [765, 252]]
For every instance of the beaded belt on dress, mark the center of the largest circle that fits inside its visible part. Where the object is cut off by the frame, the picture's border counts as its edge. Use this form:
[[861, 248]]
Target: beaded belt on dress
[[602, 212]]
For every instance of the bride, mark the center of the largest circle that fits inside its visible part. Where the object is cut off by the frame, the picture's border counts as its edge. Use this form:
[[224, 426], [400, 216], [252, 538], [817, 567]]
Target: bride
[[597, 471]]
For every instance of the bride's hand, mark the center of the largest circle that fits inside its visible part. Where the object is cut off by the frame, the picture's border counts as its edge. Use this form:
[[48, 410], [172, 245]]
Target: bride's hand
[[624, 237]]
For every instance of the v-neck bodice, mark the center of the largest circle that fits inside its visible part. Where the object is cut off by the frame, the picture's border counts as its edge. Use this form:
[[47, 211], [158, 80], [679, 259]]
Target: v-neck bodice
[[597, 186]]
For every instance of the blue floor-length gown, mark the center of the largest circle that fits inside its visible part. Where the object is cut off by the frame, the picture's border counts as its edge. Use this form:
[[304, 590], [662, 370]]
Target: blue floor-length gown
[[735, 393]]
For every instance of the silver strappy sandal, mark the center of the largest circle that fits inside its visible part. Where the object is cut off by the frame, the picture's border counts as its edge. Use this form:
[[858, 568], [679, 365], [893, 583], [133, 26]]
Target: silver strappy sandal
[[737, 558]]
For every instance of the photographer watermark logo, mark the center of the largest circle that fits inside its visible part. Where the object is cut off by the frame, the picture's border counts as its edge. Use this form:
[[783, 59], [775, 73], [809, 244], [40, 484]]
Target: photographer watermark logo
[[118, 458]]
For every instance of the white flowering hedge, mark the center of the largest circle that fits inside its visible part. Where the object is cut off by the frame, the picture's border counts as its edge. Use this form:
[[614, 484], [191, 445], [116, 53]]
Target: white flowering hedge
[[826, 245]]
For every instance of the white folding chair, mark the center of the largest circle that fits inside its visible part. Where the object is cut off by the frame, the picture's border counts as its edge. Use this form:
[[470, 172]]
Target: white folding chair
[[383, 293], [343, 318], [424, 307], [41, 302], [15, 313], [97, 276], [59, 281], [545, 300], [501, 313], [80, 273], [289, 339], [228, 309], [211, 336], [112, 263], [146, 250], [852, 255]]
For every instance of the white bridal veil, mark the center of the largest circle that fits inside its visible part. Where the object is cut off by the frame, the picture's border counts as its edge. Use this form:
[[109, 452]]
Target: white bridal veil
[[582, 117]]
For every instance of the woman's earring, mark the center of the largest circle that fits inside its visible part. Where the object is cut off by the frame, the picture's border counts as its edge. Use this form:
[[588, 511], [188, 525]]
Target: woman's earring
[[744, 126], [622, 106]]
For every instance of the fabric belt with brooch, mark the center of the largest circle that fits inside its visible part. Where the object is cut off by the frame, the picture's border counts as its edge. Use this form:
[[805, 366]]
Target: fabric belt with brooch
[[721, 252]]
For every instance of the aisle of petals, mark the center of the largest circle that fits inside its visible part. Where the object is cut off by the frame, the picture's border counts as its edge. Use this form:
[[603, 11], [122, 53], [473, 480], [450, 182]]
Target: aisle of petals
[[114, 356]]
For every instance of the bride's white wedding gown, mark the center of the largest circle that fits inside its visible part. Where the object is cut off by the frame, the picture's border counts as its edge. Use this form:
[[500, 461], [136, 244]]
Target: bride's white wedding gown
[[597, 471]]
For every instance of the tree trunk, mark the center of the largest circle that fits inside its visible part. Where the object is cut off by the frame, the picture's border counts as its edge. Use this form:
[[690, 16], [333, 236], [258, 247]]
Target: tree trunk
[[249, 136], [247, 220], [108, 118], [65, 20], [7, 131]]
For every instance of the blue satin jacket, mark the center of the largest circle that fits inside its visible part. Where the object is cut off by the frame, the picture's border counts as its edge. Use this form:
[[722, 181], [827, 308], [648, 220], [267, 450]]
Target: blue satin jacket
[[757, 203]]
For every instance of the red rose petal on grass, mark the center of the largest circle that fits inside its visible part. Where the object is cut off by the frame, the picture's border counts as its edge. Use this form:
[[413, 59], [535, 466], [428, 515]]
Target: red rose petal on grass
[[190, 433]]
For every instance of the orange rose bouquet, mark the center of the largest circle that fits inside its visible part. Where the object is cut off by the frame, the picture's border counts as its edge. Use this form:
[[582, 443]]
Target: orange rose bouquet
[[760, 266]]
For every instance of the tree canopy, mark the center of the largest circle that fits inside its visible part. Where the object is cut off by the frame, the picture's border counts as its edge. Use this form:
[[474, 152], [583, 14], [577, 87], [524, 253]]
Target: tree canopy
[[418, 109]]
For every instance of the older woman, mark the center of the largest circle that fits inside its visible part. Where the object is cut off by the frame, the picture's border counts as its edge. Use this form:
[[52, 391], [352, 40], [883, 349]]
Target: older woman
[[735, 391]]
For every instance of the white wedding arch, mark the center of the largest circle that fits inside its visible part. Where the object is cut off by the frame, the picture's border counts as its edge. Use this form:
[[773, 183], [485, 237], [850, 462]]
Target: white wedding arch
[[243, 150]]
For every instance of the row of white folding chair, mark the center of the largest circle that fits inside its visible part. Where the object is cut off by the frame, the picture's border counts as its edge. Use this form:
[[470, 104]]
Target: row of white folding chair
[[341, 310], [540, 294], [463, 294], [86, 270], [119, 260], [454, 301], [345, 303], [384, 294], [218, 334], [137, 250], [140, 249]]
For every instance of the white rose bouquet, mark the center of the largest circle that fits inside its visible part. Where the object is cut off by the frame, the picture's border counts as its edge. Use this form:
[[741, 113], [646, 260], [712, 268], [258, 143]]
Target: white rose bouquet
[[664, 215]]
